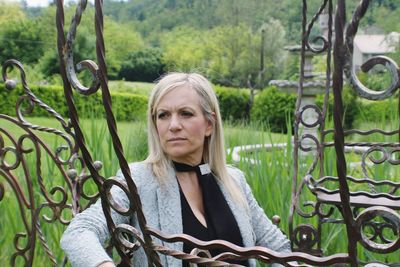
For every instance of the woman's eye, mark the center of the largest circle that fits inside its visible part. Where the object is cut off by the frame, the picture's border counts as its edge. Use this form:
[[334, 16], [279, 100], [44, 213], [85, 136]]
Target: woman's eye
[[186, 114], [162, 115]]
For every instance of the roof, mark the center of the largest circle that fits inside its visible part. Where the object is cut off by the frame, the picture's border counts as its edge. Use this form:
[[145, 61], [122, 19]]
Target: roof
[[377, 43]]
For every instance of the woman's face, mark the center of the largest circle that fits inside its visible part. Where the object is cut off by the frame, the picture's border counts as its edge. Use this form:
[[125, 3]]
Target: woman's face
[[182, 126]]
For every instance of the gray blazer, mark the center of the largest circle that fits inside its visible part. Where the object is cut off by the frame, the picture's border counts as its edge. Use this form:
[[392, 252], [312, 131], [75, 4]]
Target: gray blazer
[[87, 233]]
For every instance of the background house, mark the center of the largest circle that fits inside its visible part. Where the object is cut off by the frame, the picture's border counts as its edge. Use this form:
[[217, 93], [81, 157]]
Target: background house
[[369, 45]]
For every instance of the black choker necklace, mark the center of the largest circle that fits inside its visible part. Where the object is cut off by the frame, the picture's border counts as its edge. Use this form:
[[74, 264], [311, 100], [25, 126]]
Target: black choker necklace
[[201, 169]]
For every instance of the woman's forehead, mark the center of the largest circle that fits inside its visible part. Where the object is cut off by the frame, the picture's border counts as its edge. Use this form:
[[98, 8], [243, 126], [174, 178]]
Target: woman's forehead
[[178, 95]]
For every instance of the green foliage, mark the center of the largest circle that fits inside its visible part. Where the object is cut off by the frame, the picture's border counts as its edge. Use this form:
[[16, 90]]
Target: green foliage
[[227, 55], [129, 107], [349, 105], [21, 40], [144, 65], [376, 111], [221, 39], [121, 40], [378, 79], [126, 107], [274, 108], [233, 103], [183, 49], [233, 55]]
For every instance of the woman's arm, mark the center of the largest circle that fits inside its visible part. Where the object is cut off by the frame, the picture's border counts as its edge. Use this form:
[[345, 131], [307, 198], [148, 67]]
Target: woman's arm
[[107, 264], [267, 234], [85, 237]]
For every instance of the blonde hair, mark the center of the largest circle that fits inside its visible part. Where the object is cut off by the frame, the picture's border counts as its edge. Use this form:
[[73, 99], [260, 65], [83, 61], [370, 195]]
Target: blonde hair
[[214, 150]]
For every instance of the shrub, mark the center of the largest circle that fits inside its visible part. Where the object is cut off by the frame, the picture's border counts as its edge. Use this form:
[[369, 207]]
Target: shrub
[[377, 111], [144, 65], [272, 107], [350, 105], [233, 103], [125, 106]]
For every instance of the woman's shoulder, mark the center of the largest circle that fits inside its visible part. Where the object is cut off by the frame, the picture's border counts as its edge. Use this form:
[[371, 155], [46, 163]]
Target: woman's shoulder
[[141, 172], [140, 166], [233, 170], [236, 174]]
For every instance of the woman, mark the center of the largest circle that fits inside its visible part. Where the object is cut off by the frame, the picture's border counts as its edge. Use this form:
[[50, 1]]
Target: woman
[[184, 184]]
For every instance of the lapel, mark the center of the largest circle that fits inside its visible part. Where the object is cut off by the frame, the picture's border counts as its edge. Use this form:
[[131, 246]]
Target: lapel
[[169, 210], [241, 215]]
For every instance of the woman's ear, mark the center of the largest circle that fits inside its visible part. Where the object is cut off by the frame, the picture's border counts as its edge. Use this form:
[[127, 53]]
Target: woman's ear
[[210, 123]]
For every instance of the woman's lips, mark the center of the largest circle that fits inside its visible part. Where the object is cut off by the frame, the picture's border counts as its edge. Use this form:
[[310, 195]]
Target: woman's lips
[[176, 139]]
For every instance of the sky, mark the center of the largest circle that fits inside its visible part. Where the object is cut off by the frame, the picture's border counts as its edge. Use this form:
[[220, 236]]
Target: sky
[[41, 3], [38, 2], [33, 2]]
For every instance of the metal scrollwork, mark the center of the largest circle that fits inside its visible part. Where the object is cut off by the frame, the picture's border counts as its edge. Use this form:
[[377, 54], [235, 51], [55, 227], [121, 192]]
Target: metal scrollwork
[[4, 163], [42, 236], [307, 182], [322, 213], [199, 252], [386, 62], [310, 143], [99, 81], [31, 99], [2, 191], [309, 108], [370, 94], [124, 236], [394, 156], [379, 155], [16, 159], [306, 141], [319, 38], [391, 221], [108, 184], [305, 237], [85, 64]]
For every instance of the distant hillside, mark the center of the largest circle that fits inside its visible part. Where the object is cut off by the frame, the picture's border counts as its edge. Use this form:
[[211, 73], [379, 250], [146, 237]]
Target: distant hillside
[[162, 15]]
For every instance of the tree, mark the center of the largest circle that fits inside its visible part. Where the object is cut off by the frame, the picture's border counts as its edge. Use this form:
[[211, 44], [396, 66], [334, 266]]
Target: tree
[[234, 54], [120, 40], [143, 65], [21, 41], [183, 49]]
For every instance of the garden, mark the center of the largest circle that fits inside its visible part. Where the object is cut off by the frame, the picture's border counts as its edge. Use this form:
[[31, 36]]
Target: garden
[[36, 199]]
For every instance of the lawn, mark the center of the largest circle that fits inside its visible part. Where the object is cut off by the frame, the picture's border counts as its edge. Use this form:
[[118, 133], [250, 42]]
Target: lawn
[[141, 88]]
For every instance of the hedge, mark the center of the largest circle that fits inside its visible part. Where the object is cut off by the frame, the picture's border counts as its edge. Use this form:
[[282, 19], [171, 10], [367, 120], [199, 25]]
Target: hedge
[[270, 106], [233, 103], [273, 108], [126, 106], [378, 111], [350, 105]]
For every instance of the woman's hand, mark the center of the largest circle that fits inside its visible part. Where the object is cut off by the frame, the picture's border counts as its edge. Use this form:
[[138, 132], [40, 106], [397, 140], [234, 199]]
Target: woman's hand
[[107, 264]]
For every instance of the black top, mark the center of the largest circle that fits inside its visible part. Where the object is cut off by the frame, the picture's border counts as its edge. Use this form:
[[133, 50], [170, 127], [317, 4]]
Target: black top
[[221, 224]]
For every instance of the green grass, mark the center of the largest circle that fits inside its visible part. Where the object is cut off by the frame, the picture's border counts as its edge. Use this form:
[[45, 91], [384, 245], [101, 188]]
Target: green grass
[[141, 88]]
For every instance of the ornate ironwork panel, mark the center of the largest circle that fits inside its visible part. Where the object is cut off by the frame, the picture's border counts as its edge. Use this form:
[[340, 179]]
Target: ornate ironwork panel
[[42, 180], [355, 191]]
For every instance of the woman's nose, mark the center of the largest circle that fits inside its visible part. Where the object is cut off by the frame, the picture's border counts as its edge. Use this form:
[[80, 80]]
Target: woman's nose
[[175, 123]]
